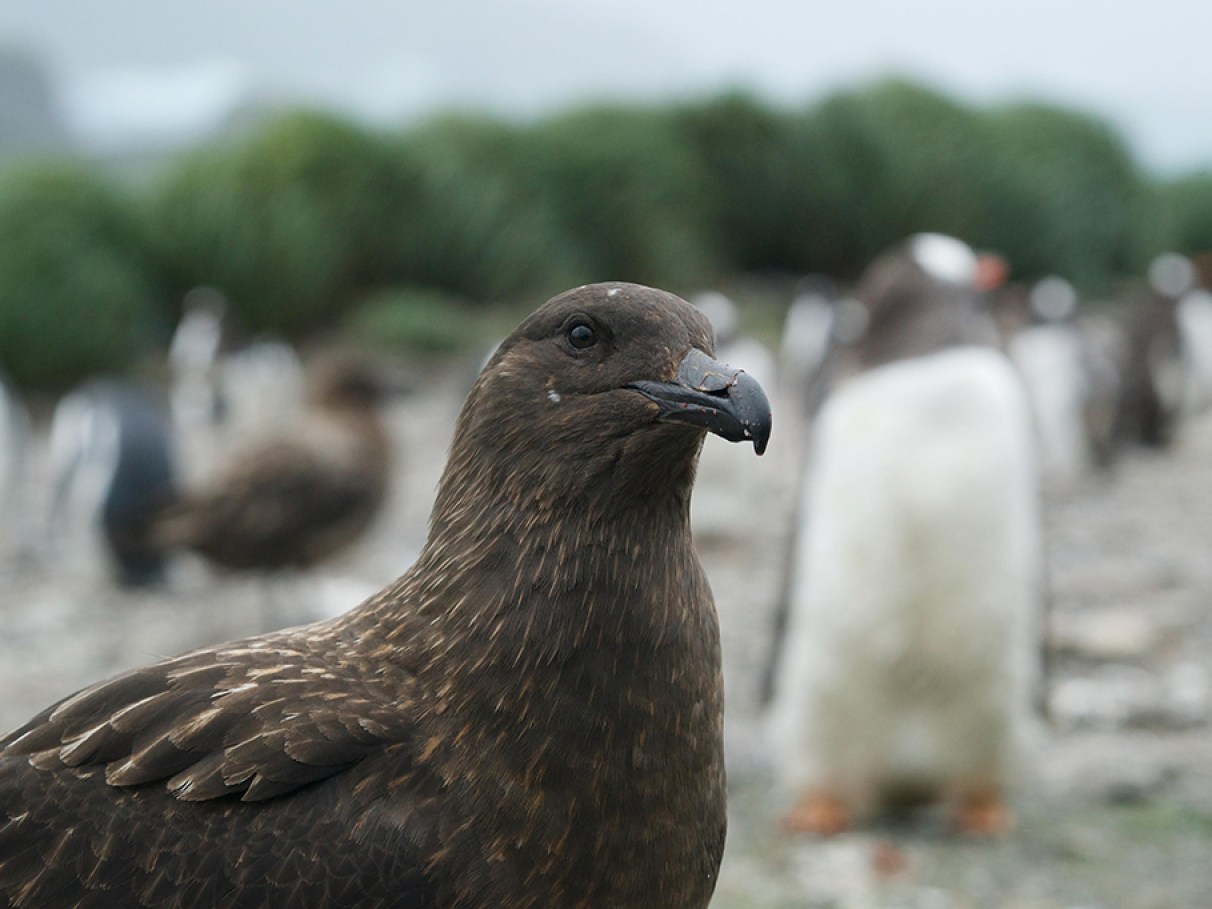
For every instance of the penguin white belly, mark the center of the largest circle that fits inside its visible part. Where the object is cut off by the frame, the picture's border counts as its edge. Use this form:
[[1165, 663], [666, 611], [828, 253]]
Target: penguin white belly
[[15, 437], [1194, 315], [912, 639], [1049, 358]]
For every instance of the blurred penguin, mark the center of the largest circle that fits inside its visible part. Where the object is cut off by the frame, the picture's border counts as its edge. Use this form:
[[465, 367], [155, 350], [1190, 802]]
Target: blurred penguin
[[194, 396], [911, 654], [730, 499], [1195, 336], [804, 349], [112, 469], [807, 329], [224, 394], [264, 388], [15, 437], [292, 498], [1071, 382], [1154, 373]]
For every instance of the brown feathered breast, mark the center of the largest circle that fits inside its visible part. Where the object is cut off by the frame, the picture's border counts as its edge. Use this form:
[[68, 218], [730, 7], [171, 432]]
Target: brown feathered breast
[[529, 717]]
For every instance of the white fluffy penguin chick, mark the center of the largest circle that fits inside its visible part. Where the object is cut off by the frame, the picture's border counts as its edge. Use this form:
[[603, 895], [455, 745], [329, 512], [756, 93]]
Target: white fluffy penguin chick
[[912, 643]]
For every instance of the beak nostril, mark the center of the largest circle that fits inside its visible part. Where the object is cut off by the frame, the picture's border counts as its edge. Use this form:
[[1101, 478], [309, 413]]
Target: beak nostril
[[706, 375]]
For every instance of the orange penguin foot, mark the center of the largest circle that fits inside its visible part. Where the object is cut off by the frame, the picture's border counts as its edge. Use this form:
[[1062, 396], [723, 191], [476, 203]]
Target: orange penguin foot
[[982, 813], [818, 812]]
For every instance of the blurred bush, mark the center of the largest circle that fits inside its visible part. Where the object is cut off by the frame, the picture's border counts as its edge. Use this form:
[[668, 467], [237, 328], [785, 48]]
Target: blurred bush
[[312, 221], [413, 320], [481, 227], [892, 159], [1185, 214], [759, 177], [76, 294], [627, 194], [1070, 200], [827, 188], [291, 226]]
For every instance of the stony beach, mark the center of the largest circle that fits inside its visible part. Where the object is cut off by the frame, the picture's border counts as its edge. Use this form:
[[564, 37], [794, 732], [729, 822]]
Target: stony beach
[[1114, 811]]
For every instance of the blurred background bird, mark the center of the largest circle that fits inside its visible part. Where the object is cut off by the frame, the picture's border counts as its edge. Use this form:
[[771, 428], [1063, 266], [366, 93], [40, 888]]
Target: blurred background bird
[[731, 498], [909, 666], [390, 727], [405, 180], [1071, 380], [113, 468], [225, 392], [16, 519], [295, 497]]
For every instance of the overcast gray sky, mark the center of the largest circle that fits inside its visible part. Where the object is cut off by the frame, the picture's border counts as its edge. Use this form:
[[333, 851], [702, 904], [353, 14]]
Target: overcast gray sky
[[167, 66]]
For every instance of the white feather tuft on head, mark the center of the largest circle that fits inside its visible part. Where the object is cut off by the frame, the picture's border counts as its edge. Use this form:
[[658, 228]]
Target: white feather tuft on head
[[944, 258]]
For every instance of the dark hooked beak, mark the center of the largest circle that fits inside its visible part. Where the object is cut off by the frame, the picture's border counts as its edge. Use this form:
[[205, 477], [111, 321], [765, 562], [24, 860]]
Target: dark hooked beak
[[706, 393]]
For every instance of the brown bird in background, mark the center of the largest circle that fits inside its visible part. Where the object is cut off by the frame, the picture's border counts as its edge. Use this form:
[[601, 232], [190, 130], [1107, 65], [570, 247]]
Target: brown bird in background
[[531, 716], [298, 497]]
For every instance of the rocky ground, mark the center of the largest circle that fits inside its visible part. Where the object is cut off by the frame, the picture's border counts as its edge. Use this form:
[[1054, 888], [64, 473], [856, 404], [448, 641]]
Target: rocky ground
[[1116, 811]]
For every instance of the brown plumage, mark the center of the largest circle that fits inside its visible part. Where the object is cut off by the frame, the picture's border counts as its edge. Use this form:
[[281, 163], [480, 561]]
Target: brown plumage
[[296, 498], [529, 717]]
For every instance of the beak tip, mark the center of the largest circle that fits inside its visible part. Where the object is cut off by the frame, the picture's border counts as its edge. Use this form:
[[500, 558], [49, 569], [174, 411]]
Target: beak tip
[[760, 437], [753, 411]]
